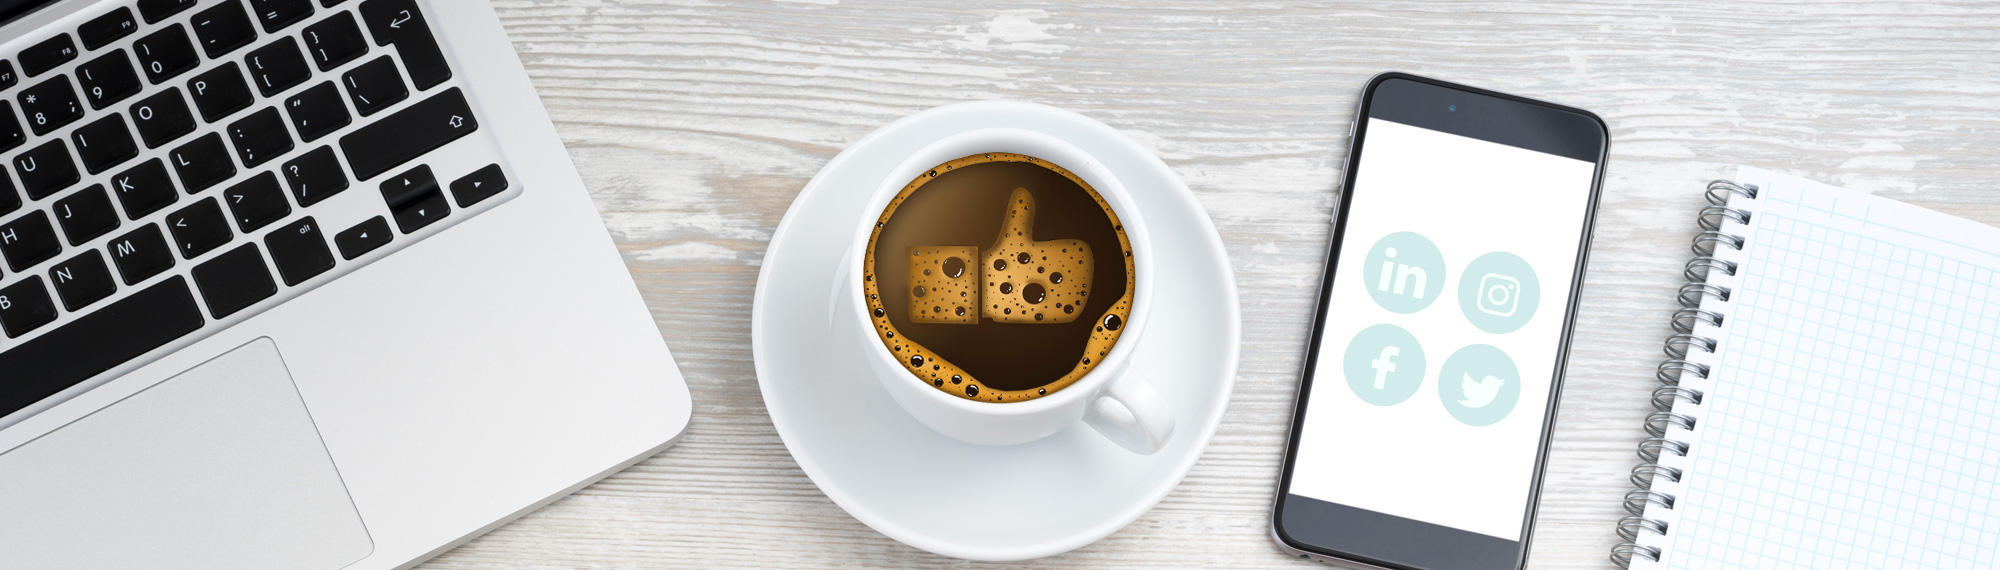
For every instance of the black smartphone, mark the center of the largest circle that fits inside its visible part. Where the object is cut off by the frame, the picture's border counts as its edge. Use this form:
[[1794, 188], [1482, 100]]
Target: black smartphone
[[1421, 426]]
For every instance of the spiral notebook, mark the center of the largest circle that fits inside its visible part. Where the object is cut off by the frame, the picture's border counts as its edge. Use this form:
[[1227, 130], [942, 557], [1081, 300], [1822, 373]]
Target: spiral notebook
[[1832, 392]]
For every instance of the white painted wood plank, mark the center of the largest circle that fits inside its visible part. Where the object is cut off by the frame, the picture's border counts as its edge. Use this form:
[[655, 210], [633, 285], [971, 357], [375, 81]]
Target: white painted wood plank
[[695, 125]]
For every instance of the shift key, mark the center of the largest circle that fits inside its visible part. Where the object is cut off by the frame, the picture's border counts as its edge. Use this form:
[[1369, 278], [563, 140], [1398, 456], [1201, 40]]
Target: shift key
[[391, 141]]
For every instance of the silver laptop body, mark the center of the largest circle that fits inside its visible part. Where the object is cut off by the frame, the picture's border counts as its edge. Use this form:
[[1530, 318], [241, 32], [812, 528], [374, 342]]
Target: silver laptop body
[[443, 336]]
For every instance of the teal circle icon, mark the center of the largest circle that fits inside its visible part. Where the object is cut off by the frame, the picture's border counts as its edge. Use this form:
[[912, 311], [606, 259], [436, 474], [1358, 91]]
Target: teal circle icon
[[1403, 272], [1479, 385], [1499, 292], [1384, 365]]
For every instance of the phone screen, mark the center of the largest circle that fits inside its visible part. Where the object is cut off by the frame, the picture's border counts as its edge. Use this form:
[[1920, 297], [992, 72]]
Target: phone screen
[[1444, 325]]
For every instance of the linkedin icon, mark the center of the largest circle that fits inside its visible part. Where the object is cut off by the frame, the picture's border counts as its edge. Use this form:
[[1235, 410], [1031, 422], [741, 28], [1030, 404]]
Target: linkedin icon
[[1403, 272]]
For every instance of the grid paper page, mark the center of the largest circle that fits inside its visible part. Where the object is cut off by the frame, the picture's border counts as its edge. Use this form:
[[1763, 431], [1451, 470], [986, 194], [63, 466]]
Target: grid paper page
[[1850, 420]]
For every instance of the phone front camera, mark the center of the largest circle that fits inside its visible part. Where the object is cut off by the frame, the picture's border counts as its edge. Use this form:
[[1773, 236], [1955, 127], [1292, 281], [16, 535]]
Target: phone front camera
[[1452, 108]]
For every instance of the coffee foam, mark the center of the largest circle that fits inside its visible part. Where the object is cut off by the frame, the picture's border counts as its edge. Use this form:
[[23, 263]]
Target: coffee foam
[[1028, 280], [942, 296]]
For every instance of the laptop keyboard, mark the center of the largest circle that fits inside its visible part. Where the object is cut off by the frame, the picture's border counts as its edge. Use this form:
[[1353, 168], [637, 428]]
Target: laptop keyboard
[[180, 165]]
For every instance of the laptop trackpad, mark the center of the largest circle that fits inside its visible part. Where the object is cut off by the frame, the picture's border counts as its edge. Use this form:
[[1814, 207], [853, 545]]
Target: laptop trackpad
[[219, 467]]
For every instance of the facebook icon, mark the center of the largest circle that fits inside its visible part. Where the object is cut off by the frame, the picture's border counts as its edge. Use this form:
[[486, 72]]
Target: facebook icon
[[1384, 365]]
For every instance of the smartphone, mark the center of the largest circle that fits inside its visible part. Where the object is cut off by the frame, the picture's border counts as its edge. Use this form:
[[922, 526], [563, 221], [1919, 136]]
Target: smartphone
[[1421, 426]]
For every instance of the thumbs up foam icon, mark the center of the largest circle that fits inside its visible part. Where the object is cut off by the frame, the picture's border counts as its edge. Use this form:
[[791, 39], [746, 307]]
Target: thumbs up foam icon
[[1018, 280]]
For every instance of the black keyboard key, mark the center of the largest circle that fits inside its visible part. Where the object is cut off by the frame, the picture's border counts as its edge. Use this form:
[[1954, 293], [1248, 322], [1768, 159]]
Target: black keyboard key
[[299, 251], [10, 129], [144, 189], [277, 66], [396, 139], [166, 53], [82, 280], [399, 22], [42, 57], [162, 117], [362, 238], [478, 186], [314, 176], [28, 240], [156, 10], [317, 111], [86, 214], [234, 280], [256, 202], [96, 342], [276, 14], [104, 143], [219, 92], [10, 200], [260, 137], [375, 85], [102, 30], [407, 187], [414, 199], [46, 169], [198, 228], [107, 79], [334, 41], [222, 28], [50, 104], [330, 3], [202, 163], [140, 254], [7, 77], [24, 306]]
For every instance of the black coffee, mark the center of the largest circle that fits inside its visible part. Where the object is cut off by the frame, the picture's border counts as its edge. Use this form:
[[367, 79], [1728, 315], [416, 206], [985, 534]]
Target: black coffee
[[998, 277]]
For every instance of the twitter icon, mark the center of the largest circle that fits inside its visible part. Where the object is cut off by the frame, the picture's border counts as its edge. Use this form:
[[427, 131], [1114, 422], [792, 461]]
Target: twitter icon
[[1486, 388], [1479, 393]]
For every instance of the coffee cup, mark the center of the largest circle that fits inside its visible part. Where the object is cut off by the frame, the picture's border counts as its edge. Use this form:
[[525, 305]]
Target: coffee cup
[[1103, 390]]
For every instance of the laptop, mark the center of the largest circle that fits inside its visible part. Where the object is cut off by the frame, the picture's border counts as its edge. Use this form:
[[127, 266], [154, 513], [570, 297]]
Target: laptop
[[297, 284]]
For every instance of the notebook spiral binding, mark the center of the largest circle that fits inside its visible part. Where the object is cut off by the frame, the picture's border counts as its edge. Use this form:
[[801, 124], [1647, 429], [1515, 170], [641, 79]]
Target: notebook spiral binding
[[1670, 394]]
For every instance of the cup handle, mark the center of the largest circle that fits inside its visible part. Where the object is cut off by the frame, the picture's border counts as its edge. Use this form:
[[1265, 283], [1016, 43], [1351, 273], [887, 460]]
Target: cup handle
[[1142, 425]]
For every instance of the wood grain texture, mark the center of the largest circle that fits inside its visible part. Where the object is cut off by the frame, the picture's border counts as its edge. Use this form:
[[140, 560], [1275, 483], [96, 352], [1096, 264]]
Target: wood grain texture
[[695, 124]]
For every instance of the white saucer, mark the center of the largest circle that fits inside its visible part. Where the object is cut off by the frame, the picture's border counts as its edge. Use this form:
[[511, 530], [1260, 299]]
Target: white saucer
[[959, 499]]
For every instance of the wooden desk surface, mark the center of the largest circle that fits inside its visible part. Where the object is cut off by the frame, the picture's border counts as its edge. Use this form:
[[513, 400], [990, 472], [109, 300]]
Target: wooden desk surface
[[696, 124]]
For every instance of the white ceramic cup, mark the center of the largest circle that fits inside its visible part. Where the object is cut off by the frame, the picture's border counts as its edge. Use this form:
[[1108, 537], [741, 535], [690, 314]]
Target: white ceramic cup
[[1113, 398]]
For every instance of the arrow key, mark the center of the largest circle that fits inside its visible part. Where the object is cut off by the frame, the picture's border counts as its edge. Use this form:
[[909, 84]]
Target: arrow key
[[479, 185], [362, 238], [420, 212], [414, 198], [408, 188]]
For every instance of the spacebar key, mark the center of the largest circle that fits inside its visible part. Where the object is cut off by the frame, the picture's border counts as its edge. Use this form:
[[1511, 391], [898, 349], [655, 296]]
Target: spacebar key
[[399, 138], [97, 342]]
